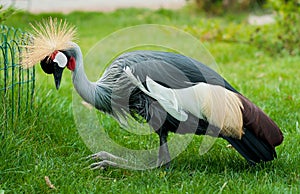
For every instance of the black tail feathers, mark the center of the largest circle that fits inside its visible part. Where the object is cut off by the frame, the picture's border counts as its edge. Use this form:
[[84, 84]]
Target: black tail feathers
[[253, 149]]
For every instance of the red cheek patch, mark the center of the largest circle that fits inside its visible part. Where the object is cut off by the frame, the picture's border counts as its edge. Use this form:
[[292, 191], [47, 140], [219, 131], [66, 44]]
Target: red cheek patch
[[71, 64]]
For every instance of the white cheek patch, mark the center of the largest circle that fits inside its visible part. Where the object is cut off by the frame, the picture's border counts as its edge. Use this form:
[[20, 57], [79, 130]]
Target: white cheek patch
[[61, 59]]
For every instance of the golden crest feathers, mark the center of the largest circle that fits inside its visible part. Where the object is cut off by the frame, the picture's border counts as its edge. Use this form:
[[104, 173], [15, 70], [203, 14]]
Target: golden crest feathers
[[48, 36]]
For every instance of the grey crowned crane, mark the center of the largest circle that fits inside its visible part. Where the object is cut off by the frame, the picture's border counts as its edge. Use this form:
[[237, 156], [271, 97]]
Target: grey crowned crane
[[165, 89]]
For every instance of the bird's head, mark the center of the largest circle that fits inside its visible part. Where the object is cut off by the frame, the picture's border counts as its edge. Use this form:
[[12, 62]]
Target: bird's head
[[52, 46], [56, 63]]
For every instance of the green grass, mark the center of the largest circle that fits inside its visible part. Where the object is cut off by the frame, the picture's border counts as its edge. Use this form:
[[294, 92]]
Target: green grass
[[45, 142]]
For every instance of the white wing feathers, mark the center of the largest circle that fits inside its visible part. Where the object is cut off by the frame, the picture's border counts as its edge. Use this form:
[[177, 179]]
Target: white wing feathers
[[167, 99], [165, 96], [219, 106]]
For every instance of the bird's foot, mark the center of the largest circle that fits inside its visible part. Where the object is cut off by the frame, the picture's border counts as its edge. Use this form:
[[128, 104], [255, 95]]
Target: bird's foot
[[107, 159], [163, 162], [164, 158]]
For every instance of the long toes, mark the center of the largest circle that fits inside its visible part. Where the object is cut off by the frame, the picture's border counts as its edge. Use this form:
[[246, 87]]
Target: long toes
[[105, 159], [105, 156], [103, 164], [100, 155]]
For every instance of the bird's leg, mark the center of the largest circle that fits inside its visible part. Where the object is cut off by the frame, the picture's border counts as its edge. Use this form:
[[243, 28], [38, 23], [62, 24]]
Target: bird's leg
[[163, 153], [107, 159]]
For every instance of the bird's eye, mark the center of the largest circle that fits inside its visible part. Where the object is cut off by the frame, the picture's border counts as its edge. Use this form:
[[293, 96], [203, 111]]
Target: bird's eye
[[60, 59]]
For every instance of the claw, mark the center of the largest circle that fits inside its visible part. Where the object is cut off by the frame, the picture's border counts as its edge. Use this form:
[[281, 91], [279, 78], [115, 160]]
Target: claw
[[91, 157], [87, 158]]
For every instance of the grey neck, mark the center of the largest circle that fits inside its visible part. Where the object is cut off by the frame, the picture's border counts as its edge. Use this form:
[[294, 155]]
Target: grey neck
[[95, 93], [83, 86]]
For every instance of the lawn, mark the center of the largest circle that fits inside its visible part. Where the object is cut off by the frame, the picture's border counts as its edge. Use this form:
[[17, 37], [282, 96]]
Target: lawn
[[45, 142]]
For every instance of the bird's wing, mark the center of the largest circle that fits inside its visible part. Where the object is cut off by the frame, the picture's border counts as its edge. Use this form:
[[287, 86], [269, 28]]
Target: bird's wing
[[170, 70], [219, 106], [166, 74]]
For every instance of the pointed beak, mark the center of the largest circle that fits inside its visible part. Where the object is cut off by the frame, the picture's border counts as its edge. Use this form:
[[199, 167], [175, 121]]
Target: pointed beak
[[57, 75]]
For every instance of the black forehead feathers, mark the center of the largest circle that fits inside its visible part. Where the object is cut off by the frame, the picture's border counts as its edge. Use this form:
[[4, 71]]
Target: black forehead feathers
[[47, 65]]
